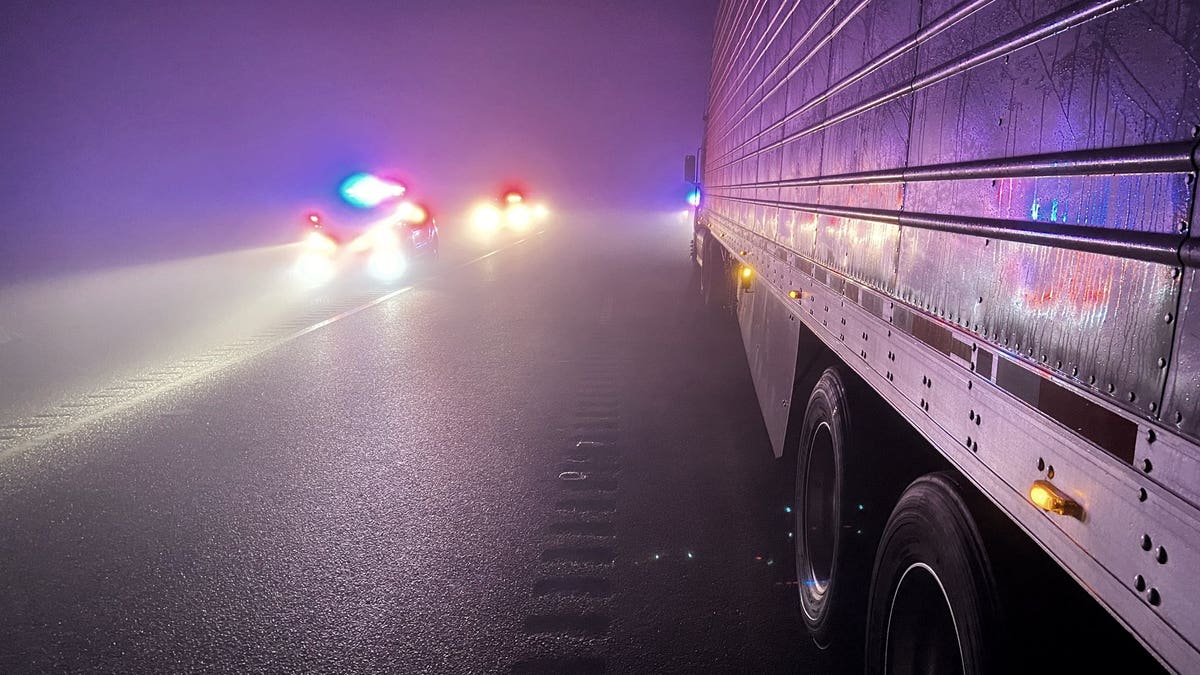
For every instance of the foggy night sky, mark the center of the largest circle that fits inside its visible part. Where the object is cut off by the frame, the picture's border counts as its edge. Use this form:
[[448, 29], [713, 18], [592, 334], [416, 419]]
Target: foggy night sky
[[135, 131]]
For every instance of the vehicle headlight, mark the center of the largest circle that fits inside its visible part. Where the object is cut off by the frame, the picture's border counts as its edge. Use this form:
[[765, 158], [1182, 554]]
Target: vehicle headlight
[[486, 218], [314, 269], [317, 242], [386, 264], [518, 215]]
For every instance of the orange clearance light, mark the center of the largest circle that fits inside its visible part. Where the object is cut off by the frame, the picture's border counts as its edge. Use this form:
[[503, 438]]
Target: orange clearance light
[[795, 295], [1048, 498], [745, 277]]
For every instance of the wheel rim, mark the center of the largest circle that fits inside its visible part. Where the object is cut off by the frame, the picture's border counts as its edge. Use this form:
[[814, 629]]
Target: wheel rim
[[820, 512], [922, 634]]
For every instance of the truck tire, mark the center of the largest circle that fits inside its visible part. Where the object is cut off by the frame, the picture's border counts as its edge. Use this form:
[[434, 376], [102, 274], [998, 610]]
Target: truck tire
[[934, 605], [832, 534]]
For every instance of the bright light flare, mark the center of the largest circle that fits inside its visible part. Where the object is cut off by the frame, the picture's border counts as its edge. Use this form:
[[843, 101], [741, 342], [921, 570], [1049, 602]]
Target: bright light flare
[[513, 198], [313, 270], [319, 243], [486, 218], [385, 237], [365, 191], [411, 213], [541, 212], [378, 236], [518, 216], [746, 276], [693, 197], [386, 264]]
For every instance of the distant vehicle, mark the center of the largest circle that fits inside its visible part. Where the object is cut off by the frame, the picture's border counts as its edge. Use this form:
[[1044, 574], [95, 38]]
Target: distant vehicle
[[389, 243], [511, 211]]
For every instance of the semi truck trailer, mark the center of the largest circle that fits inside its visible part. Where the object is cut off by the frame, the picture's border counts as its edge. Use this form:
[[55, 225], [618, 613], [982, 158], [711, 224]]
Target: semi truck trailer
[[975, 217]]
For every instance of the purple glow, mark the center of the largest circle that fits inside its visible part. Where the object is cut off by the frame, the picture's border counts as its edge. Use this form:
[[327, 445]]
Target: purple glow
[[175, 129]]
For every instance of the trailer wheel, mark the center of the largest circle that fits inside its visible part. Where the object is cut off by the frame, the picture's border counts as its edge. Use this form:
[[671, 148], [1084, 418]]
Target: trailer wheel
[[832, 534], [934, 606]]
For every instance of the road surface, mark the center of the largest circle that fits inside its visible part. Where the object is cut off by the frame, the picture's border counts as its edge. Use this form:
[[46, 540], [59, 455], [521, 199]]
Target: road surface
[[521, 459]]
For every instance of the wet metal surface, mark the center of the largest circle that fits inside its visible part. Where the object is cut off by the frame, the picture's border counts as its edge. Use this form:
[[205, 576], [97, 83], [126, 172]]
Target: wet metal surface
[[1022, 169]]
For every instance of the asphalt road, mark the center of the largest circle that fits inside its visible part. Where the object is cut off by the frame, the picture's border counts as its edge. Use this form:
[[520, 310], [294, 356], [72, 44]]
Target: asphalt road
[[548, 459]]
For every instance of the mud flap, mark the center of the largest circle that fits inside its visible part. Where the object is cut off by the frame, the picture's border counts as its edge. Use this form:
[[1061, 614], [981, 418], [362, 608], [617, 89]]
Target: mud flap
[[771, 335]]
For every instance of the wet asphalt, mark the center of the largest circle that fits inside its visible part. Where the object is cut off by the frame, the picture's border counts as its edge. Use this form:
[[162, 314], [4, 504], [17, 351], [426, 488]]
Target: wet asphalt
[[546, 460]]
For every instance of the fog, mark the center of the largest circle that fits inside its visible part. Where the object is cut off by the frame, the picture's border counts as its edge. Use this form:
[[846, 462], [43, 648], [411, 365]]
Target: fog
[[136, 132], [159, 158]]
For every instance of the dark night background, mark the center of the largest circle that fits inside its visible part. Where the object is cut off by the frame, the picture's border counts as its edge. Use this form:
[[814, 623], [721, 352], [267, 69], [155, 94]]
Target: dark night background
[[139, 131]]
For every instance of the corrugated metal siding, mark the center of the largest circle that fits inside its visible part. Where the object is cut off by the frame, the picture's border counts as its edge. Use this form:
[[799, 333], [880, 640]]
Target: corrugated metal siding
[[868, 135]]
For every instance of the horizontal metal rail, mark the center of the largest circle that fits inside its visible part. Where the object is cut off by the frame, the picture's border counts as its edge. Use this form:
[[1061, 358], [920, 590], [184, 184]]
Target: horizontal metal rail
[[935, 28], [798, 43], [1144, 159], [760, 50], [1165, 249], [1030, 415], [725, 65], [1073, 15], [812, 52]]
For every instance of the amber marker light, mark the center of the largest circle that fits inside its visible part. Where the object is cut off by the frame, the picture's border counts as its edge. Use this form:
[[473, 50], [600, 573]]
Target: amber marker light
[[795, 295], [744, 278], [1048, 498]]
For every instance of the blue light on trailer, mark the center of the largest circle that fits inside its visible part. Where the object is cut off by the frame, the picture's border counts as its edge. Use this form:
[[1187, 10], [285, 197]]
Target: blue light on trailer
[[693, 197]]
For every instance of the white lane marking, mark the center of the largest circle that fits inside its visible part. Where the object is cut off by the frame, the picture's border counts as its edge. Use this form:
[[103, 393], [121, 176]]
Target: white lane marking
[[28, 443]]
